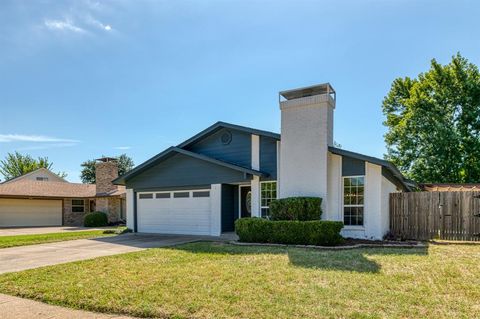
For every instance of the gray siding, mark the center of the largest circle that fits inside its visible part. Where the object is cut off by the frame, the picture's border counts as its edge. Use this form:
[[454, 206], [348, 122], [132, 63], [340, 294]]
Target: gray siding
[[238, 151], [268, 157], [352, 166], [183, 171]]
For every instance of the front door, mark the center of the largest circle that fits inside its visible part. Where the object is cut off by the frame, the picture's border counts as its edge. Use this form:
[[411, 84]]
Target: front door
[[92, 205], [245, 201]]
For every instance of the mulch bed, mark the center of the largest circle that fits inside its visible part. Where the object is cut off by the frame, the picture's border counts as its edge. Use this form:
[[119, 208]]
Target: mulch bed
[[354, 241], [349, 243]]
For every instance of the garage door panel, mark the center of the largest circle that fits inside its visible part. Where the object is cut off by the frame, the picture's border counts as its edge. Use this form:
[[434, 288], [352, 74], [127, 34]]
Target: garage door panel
[[24, 212], [174, 215]]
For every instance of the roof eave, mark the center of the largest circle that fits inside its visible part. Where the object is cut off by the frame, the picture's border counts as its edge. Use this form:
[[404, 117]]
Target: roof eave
[[392, 168], [123, 179]]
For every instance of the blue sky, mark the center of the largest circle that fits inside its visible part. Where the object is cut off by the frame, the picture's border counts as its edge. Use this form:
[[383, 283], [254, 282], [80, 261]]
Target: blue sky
[[79, 79]]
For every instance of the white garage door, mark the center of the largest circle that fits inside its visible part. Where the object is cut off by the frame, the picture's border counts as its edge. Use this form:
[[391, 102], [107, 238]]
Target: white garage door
[[175, 212], [30, 212]]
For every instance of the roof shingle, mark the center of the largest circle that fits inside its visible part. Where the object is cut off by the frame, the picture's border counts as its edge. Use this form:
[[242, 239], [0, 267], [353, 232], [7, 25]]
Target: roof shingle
[[53, 189]]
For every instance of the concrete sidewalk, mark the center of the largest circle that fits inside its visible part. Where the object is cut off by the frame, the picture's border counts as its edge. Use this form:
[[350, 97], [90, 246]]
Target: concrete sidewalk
[[18, 308]]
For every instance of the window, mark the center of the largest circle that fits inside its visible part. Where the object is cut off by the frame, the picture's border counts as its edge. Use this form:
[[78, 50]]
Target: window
[[162, 195], [78, 206], [201, 194], [44, 179], [353, 199], [181, 194], [268, 192], [145, 196]]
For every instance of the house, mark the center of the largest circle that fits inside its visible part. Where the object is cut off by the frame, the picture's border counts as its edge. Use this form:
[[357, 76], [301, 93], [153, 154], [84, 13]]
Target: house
[[228, 171], [42, 198], [467, 187]]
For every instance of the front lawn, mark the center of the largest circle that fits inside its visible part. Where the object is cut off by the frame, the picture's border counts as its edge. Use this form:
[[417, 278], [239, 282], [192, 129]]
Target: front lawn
[[22, 240], [218, 280]]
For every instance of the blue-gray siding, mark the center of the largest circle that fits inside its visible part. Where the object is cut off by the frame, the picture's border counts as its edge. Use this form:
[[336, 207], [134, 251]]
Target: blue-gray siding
[[238, 151], [184, 171], [352, 166], [268, 157]]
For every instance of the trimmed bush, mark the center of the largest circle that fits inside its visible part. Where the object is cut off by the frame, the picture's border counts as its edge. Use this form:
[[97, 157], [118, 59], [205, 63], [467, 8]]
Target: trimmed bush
[[318, 232], [96, 219], [296, 208]]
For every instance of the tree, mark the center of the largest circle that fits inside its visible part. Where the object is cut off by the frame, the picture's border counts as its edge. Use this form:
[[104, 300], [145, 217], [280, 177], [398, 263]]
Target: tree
[[434, 123], [87, 176], [16, 164]]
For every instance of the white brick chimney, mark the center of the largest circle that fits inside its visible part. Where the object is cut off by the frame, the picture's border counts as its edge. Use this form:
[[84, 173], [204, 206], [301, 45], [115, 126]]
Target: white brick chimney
[[306, 133]]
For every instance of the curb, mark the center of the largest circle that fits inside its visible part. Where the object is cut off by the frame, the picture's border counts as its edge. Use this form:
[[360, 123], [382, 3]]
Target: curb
[[417, 245]]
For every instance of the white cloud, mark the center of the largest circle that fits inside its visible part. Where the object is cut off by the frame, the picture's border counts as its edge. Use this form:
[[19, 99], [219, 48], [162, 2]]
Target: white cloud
[[63, 25], [7, 138], [46, 146], [122, 147], [94, 22]]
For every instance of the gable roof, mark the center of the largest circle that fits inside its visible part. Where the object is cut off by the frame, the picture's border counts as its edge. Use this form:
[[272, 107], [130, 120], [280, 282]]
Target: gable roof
[[176, 150], [219, 125], [33, 172], [409, 185], [29, 188]]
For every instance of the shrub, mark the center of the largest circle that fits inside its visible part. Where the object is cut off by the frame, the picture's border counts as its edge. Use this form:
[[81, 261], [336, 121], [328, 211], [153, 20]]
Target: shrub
[[318, 232], [96, 219], [118, 231], [296, 208]]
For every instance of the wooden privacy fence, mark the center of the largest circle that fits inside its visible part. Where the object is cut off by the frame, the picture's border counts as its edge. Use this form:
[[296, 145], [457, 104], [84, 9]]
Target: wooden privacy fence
[[435, 215]]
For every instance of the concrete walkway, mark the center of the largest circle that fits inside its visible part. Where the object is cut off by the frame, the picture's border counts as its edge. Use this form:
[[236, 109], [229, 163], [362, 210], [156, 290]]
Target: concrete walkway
[[34, 256], [18, 308], [14, 231]]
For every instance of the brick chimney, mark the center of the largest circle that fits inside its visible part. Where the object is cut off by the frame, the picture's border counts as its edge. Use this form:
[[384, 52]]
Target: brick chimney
[[106, 170]]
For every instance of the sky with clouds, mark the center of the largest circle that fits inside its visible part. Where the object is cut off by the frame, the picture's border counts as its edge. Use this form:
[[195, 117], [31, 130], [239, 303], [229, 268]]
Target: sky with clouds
[[85, 78]]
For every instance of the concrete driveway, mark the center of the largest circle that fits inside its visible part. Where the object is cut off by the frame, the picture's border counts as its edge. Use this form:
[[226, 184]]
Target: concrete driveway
[[13, 231], [34, 256], [18, 308]]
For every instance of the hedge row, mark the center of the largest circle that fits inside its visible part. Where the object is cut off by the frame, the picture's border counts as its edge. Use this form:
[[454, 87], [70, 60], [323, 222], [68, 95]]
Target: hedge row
[[296, 208], [259, 230], [96, 219]]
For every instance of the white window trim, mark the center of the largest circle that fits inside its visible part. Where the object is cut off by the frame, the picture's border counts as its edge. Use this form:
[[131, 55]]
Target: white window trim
[[189, 191], [354, 227], [142, 193], [75, 205], [276, 191], [155, 195]]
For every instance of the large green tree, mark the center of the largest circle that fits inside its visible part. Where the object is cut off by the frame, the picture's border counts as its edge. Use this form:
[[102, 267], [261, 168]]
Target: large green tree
[[17, 164], [434, 123], [87, 175]]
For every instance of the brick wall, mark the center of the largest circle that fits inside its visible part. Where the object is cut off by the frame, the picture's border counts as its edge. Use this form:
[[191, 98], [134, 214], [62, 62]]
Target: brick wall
[[105, 172], [71, 218]]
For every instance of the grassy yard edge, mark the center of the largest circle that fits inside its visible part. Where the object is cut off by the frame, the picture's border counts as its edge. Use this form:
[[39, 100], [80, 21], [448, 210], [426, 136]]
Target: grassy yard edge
[[35, 239], [301, 271]]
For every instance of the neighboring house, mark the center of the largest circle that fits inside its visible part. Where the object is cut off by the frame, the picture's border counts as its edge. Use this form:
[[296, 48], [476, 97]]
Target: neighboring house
[[449, 187], [41, 198], [228, 171], [41, 175]]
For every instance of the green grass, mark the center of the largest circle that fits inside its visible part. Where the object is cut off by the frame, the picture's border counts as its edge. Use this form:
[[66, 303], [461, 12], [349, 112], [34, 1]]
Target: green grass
[[22, 240], [216, 280]]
